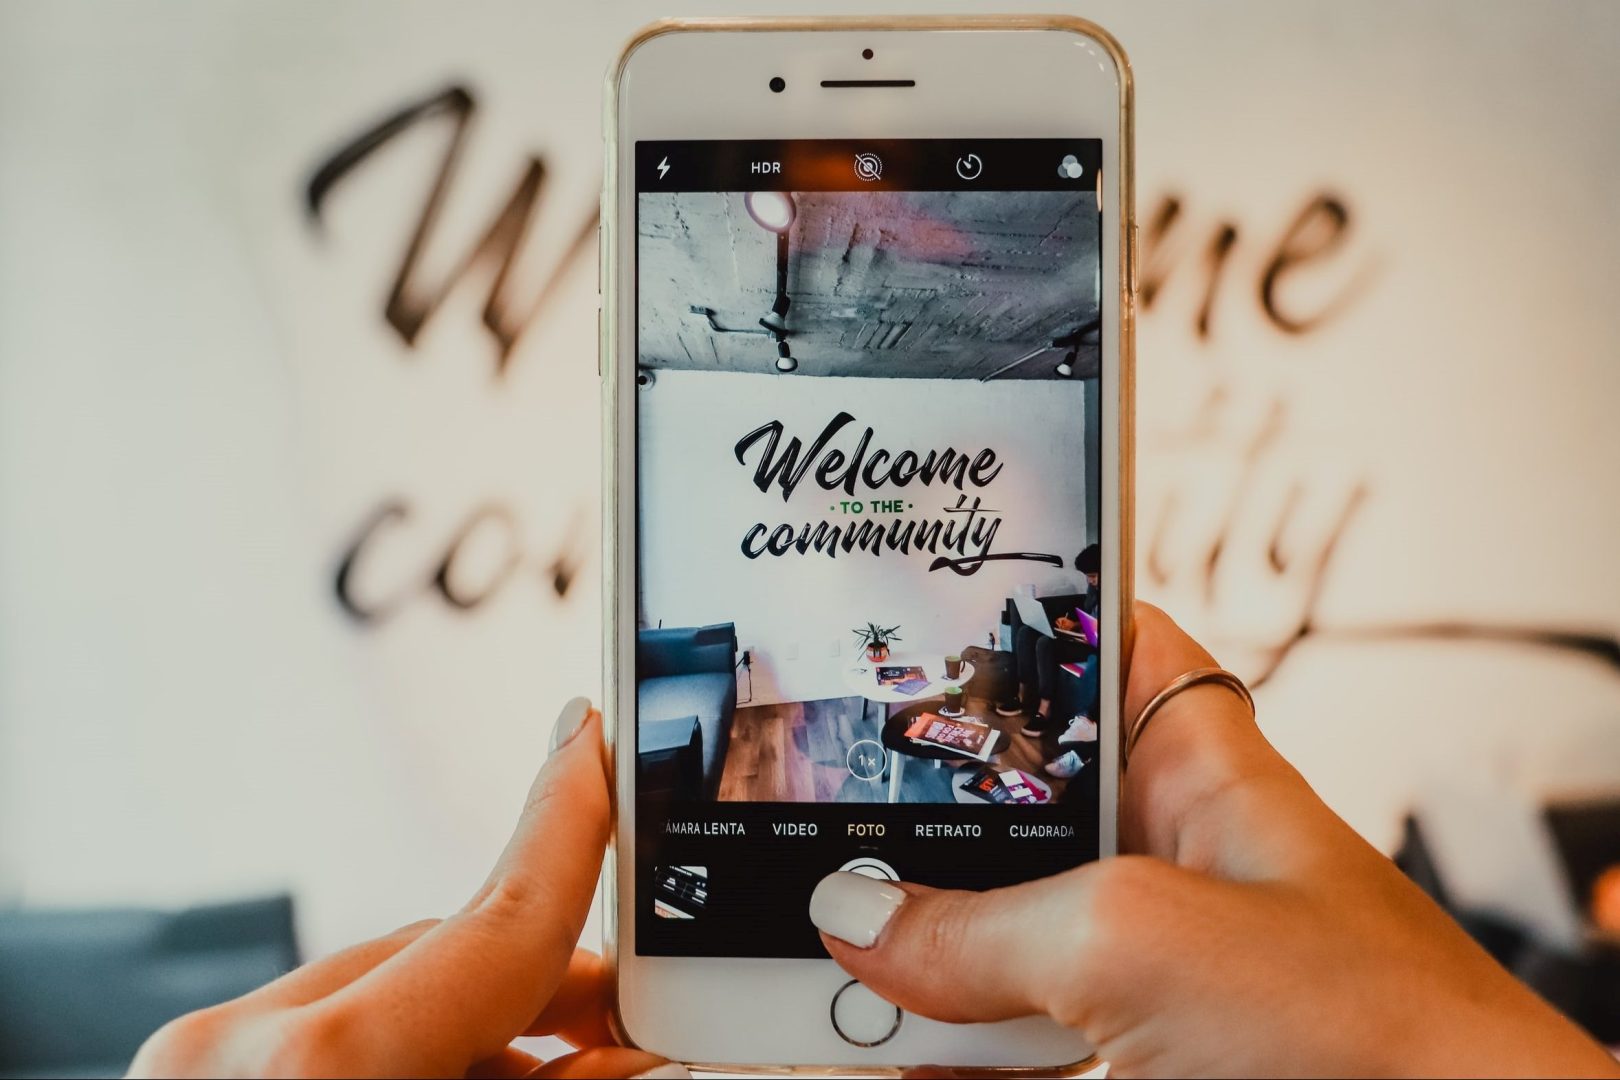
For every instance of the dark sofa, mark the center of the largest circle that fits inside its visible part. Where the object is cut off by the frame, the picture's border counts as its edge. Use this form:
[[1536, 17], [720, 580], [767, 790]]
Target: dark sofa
[[690, 671], [81, 989]]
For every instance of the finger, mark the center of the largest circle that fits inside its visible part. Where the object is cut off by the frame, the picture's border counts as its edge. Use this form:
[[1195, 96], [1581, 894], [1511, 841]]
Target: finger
[[918, 947], [318, 978], [510, 1062], [1204, 789], [463, 990], [1062, 946], [1160, 650], [1197, 742], [578, 1012], [614, 1061]]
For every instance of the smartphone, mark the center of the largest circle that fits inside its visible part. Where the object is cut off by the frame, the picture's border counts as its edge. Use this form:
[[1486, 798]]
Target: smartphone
[[866, 326]]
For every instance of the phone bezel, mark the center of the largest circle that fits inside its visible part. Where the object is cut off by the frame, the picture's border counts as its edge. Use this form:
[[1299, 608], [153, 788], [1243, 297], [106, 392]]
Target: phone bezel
[[665, 1003]]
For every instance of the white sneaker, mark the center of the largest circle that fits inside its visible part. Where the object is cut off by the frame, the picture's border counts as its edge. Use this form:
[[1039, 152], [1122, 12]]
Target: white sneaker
[[1065, 767], [1080, 729]]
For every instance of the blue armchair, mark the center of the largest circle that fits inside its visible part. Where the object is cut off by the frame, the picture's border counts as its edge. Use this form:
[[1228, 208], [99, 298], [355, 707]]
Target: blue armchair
[[690, 671]]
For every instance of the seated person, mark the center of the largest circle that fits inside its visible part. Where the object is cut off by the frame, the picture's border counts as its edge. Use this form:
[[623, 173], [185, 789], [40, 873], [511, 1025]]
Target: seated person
[[1038, 657], [1078, 743], [1089, 563]]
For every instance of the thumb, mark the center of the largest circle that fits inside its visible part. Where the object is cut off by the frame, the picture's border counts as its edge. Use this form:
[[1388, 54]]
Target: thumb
[[463, 990], [1046, 946]]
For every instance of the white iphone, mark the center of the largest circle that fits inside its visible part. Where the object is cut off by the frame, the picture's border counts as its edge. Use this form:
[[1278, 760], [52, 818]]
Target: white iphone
[[867, 363]]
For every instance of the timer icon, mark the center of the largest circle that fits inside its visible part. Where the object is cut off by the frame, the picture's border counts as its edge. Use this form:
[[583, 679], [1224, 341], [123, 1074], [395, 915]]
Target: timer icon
[[969, 167]]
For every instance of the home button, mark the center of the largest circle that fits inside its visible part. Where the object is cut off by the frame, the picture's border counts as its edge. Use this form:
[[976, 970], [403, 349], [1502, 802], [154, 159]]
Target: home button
[[861, 1018]]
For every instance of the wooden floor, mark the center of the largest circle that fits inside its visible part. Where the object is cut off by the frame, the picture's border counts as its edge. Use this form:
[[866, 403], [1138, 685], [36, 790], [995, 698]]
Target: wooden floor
[[797, 752]]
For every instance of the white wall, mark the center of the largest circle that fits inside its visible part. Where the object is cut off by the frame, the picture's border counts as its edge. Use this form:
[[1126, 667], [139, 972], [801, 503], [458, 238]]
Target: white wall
[[200, 403], [797, 610]]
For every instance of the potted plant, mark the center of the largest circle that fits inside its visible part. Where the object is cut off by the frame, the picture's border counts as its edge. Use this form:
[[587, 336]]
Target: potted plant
[[876, 640]]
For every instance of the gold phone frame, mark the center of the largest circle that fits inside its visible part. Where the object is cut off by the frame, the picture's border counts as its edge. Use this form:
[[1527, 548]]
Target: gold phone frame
[[607, 353]]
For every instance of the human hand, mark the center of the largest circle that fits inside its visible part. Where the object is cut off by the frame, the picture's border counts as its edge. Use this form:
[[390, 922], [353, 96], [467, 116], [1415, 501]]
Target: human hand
[[446, 997], [1249, 932]]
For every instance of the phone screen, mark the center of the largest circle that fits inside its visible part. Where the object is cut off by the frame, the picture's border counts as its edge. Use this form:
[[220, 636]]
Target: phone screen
[[868, 507]]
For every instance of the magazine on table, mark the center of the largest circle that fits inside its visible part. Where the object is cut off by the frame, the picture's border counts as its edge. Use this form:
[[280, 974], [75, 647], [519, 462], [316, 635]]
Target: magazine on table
[[962, 734], [1003, 786], [987, 785], [1022, 787], [893, 676]]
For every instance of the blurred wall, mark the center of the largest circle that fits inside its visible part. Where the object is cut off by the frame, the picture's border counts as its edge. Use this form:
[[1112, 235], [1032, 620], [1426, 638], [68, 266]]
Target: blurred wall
[[298, 526]]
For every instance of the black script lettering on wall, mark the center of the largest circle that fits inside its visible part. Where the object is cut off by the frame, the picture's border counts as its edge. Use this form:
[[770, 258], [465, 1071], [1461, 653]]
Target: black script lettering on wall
[[878, 524], [447, 574], [412, 301]]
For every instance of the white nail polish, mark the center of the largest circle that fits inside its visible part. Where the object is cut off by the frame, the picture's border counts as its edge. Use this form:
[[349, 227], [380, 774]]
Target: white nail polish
[[569, 721], [854, 907], [669, 1070]]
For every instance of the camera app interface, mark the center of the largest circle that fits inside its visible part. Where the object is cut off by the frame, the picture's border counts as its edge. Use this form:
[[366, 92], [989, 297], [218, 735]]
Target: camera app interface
[[868, 506]]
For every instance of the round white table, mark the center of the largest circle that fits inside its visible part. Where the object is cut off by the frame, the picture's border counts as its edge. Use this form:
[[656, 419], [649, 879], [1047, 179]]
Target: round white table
[[862, 678]]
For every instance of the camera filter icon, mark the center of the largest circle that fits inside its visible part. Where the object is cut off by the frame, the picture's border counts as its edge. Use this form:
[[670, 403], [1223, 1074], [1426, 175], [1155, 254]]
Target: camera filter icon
[[868, 166], [1070, 168]]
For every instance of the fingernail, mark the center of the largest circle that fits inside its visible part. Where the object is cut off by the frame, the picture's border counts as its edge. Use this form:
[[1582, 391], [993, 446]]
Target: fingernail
[[854, 907], [669, 1070], [569, 721]]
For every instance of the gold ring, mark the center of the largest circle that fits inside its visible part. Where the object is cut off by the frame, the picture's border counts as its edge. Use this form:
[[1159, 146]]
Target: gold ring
[[1185, 681]]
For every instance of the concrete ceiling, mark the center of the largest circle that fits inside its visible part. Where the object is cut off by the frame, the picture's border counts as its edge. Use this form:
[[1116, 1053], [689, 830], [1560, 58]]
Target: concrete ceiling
[[937, 285]]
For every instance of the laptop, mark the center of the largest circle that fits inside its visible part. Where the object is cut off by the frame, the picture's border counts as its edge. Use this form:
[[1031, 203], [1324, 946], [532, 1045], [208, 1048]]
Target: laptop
[[1032, 610]]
